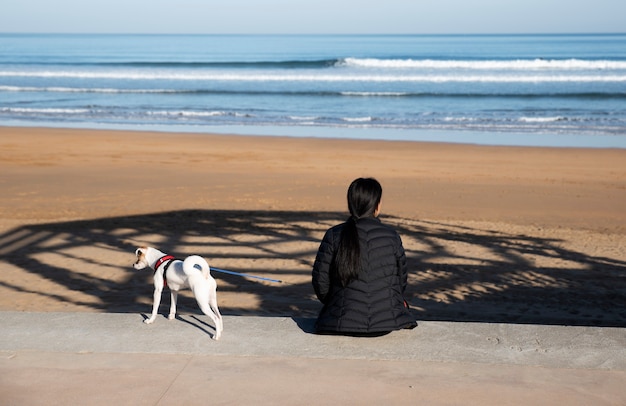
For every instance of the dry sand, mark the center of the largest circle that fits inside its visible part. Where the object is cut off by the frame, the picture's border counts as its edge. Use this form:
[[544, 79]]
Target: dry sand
[[495, 234]]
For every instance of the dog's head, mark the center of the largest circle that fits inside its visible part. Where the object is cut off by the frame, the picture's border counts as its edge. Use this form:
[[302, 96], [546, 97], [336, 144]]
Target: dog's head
[[141, 262]]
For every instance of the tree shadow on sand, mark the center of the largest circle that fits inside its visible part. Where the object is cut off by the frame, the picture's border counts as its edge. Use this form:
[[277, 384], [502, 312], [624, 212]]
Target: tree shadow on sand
[[456, 273]]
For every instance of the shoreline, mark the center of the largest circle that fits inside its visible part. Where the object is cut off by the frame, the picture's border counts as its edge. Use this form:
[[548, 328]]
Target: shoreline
[[438, 136], [493, 234]]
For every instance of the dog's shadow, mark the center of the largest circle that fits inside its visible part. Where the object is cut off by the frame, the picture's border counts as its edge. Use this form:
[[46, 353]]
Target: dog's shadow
[[199, 324]]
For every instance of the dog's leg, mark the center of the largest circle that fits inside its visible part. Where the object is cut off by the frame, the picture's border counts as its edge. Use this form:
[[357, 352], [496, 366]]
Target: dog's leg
[[158, 288], [203, 297], [206, 309], [213, 305], [173, 297], [155, 306]]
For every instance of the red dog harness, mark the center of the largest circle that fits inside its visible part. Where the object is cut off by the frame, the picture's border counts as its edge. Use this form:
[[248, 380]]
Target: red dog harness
[[160, 262]]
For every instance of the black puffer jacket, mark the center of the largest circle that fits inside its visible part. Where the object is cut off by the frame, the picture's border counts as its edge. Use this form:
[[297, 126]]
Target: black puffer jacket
[[374, 303]]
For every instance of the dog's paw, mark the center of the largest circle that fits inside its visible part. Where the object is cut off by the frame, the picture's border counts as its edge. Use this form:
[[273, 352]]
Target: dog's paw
[[172, 316], [148, 321]]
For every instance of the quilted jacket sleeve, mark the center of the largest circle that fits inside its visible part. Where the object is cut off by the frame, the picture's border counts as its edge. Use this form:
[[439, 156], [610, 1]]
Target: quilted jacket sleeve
[[402, 264], [321, 267]]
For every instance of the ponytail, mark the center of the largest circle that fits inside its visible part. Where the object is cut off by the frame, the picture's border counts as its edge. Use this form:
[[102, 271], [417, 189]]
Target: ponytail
[[364, 196], [348, 258]]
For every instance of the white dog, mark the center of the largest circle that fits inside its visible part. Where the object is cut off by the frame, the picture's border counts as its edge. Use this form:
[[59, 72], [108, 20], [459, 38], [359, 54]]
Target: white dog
[[193, 272]]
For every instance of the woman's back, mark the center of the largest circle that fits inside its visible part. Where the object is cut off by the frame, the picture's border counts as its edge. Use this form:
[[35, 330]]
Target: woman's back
[[374, 301]]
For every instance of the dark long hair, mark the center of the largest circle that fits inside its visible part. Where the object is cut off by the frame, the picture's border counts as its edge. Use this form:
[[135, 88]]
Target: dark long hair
[[364, 196]]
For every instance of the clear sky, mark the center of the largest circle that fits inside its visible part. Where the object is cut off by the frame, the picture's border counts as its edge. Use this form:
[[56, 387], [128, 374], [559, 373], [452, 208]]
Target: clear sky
[[313, 16]]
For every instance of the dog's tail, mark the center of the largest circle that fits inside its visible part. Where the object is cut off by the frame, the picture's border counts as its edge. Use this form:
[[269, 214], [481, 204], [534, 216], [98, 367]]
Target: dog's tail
[[193, 263]]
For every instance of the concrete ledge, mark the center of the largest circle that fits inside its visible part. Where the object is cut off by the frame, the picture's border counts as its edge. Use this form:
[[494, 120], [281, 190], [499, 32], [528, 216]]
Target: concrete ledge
[[531, 345]]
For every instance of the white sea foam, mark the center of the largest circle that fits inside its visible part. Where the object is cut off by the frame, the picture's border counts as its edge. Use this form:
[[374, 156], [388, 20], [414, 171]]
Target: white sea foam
[[460, 119], [541, 119], [186, 113], [282, 77], [25, 110], [357, 119], [79, 90], [519, 64]]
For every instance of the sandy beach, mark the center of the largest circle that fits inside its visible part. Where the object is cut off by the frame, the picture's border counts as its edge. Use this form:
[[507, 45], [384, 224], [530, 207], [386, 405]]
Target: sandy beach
[[494, 234]]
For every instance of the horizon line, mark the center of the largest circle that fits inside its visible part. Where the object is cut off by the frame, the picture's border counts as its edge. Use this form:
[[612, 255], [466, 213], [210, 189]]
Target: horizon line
[[315, 34]]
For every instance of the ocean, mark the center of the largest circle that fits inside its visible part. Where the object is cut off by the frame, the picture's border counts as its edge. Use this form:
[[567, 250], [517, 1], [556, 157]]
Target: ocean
[[561, 90]]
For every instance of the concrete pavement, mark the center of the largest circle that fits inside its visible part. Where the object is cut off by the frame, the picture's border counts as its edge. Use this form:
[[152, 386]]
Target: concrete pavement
[[100, 358]]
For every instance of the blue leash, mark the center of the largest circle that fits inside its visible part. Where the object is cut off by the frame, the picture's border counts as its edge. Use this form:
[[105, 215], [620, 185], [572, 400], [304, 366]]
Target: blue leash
[[245, 275]]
